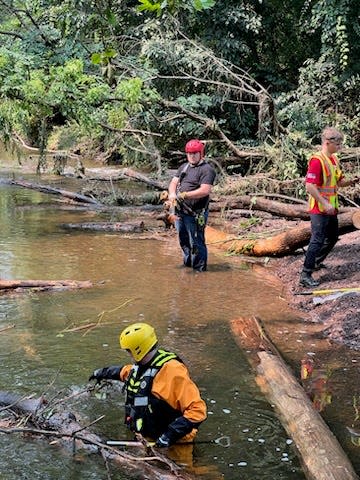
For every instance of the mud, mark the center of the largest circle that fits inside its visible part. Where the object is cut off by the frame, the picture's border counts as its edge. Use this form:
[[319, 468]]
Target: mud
[[339, 315]]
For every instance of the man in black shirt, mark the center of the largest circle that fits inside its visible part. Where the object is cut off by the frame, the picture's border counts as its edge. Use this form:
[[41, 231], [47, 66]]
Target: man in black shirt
[[189, 190]]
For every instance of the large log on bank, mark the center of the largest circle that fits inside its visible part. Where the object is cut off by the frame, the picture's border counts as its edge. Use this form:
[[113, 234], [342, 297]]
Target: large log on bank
[[356, 219], [44, 284], [320, 453], [54, 191], [61, 427], [281, 244]]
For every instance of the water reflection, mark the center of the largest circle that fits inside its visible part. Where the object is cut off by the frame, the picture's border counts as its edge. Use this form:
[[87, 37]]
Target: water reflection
[[138, 280]]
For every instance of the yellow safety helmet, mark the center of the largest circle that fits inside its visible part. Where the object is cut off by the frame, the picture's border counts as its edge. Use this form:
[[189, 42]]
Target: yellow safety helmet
[[139, 338]]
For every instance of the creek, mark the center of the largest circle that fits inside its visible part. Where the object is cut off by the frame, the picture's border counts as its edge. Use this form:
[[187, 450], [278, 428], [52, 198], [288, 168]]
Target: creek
[[138, 279]]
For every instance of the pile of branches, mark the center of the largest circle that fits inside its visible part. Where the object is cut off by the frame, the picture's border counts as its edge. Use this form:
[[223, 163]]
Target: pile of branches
[[51, 420]]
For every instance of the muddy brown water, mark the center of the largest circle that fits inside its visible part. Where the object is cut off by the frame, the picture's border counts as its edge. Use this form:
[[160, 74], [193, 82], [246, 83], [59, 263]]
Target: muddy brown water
[[141, 280]]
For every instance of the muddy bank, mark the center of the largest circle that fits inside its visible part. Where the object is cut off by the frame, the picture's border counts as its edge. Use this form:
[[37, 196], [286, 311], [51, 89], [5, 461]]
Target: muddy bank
[[339, 315]]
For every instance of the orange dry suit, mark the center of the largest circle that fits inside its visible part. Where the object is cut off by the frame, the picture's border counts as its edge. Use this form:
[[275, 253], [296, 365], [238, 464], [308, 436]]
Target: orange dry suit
[[162, 398], [331, 175]]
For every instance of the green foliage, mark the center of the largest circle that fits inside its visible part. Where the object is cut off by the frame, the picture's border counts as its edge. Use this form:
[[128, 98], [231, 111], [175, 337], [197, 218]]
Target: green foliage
[[173, 6], [108, 66], [332, 17]]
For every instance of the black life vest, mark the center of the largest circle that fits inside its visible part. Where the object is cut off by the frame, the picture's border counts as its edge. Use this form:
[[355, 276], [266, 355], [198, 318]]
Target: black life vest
[[144, 413]]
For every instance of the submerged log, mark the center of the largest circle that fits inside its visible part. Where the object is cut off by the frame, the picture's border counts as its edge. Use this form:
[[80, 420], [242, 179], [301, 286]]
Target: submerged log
[[108, 227], [54, 191], [21, 404], [319, 451], [281, 244], [62, 427], [44, 284]]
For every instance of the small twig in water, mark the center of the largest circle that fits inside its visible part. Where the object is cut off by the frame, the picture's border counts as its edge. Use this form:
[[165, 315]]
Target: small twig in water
[[7, 328]]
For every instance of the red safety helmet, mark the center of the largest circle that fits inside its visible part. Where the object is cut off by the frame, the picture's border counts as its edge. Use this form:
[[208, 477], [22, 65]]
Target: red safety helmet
[[194, 146]]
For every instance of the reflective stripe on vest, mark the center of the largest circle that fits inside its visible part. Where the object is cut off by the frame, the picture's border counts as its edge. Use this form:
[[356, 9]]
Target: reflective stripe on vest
[[331, 175]]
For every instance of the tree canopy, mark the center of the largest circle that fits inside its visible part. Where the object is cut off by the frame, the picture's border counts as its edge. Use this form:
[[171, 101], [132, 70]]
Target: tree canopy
[[133, 80]]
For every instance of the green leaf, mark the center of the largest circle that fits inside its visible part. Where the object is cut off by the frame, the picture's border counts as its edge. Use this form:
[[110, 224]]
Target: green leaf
[[96, 58], [149, 6], [203, 4], [111, 18]]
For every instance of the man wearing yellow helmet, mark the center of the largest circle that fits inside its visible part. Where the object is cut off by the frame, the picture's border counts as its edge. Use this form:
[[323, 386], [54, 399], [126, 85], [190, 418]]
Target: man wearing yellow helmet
[[162, 402]]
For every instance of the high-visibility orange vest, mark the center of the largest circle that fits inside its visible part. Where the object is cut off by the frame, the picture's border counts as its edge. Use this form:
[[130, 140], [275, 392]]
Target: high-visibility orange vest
[[331, 175]]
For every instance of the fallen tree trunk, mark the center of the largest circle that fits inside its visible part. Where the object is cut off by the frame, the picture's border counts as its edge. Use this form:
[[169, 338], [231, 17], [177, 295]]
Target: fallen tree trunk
[[54, 191], [319, 451], [255, 202], [44, 284], [284, 243], [128, 172], [62, 427], [108, 227], [124, 173]]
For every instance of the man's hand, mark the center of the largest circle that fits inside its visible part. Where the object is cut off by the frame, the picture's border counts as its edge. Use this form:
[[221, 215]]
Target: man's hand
[[329, 209], [180, 197]]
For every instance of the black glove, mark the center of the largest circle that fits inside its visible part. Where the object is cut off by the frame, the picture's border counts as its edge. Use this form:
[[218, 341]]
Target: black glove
[[163, 441], [108, 373], [176, 430]]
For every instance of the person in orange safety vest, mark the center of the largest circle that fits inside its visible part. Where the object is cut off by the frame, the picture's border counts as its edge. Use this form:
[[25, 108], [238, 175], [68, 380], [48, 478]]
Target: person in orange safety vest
[[162, 402], [323, 178]]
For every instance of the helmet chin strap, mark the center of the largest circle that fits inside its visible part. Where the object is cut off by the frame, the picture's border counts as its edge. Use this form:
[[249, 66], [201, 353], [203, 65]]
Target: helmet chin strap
[[146, 359]]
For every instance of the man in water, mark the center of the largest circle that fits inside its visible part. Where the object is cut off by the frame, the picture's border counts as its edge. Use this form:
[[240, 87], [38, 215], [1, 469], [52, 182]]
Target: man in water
[[162, 402], [189, 191]]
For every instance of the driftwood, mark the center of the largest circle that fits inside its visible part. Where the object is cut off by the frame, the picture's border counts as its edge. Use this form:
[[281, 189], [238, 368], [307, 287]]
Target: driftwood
[[282, 244], [108, 227], [62, 427], [319, 451], [54, 191], [44, 284]]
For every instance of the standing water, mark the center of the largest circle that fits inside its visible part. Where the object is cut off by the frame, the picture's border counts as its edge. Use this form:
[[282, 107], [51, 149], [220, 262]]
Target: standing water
[[134, 280]]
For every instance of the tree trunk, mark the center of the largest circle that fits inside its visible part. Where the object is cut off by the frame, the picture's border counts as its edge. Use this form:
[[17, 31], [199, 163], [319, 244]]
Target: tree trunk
[[124, 173], [257, 203], [108, 227], [319, 451], [54, 191], [44, 284], [284, 243], [356, 219]]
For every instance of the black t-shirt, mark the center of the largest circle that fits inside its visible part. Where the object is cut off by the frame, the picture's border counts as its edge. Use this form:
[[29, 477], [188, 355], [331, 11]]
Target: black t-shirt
[[190, 178]]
